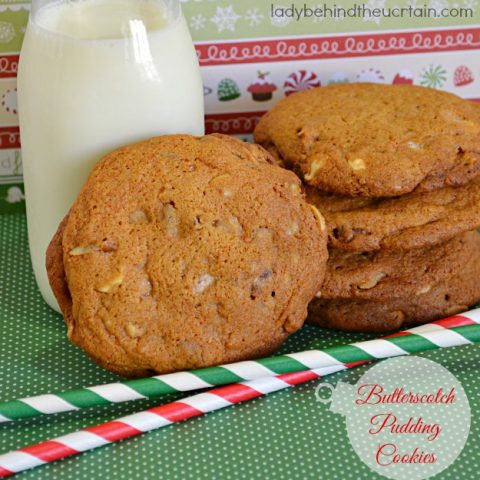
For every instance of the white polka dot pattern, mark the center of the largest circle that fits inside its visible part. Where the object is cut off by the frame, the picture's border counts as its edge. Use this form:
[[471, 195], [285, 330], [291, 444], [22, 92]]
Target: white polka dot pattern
[[287, 435]]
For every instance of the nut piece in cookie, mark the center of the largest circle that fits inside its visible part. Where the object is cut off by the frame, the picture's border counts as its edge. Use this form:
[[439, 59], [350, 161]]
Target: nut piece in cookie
[[183, 252]]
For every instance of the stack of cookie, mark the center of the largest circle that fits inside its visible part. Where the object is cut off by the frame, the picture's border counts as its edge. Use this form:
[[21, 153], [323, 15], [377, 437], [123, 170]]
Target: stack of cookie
[[395, 169]]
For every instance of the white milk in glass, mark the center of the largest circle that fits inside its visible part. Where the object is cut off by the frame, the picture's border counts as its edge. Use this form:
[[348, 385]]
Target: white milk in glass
[[95, 75]]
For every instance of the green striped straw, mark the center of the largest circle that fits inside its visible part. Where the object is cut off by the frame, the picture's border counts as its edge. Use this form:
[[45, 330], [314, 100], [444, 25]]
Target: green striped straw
[[461, 329]]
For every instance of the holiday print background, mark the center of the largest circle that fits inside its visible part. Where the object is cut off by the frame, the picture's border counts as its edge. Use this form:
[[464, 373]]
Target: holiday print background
[[243, 51]]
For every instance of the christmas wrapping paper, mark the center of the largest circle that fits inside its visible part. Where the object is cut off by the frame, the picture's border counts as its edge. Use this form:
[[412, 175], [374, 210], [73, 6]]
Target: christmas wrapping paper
[[251, 57]]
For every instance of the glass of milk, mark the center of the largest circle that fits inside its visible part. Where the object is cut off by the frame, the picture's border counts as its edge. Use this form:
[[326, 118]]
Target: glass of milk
[[95, 75]]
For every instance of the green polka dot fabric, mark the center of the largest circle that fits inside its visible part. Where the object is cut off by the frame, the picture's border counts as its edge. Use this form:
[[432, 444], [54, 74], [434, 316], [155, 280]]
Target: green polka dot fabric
[[286, 435]]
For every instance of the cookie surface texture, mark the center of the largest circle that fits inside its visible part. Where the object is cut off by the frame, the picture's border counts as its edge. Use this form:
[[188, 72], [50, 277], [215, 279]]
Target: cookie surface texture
[[183, 252], [453, 295], [373, 140], [401, 223], [384, 275]]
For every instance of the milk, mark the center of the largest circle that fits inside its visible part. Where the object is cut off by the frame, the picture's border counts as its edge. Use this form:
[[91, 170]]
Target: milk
[[95, 75]]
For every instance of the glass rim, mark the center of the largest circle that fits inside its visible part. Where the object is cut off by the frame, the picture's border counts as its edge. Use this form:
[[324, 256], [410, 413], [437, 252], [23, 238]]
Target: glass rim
[[172, 7]]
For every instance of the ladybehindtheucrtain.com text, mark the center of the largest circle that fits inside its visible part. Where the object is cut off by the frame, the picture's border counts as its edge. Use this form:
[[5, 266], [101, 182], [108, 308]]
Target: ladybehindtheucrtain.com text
[[362, 11]]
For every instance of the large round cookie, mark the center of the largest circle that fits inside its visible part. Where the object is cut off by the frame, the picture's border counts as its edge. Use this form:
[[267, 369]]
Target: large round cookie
[[384, 274], [184, 252], [412, 221], [375, 140], [455, 294]]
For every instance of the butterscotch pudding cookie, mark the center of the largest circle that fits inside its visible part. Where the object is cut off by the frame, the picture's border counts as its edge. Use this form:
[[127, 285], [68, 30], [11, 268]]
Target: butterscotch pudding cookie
[[184, 252], [384, 274], [452, 295], [400, 223], [395, 170], [374, 140]]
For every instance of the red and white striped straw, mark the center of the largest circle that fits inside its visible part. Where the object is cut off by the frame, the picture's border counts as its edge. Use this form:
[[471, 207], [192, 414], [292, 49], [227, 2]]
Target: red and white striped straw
[[454, 331], [157, 417]]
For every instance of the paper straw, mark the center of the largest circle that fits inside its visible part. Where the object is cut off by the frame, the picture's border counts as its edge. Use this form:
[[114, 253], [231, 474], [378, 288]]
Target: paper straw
[[425, 337], [157, 417], [220, 397]]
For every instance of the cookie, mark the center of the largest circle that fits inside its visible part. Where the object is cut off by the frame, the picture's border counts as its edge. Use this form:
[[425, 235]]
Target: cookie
[[373, 140], [184, 252], [415, 220], [454, 295], [384, 275]]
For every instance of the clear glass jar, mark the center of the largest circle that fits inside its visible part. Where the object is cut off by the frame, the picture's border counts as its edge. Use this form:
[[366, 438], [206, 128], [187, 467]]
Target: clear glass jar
[[95, 75]]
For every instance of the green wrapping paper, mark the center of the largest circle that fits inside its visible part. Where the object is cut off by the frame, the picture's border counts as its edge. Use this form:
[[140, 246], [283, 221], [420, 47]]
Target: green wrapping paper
[[285, 435]]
